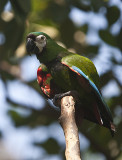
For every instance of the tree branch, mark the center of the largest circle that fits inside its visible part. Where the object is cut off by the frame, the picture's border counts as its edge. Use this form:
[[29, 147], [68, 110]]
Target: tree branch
[[68, 123]]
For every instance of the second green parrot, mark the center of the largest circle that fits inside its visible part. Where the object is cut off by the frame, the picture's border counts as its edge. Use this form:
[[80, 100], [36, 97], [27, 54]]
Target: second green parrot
[[62, 71]]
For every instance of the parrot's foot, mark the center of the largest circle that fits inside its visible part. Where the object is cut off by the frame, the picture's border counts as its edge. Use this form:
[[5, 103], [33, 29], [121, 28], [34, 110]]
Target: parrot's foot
[[57, 98]]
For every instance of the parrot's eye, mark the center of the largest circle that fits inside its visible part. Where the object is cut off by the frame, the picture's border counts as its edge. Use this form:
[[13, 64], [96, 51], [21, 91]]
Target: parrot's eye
[[40, 42], [42, 37]]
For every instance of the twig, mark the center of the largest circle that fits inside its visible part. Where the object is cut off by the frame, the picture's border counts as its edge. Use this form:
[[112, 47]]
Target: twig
[[68, 123]]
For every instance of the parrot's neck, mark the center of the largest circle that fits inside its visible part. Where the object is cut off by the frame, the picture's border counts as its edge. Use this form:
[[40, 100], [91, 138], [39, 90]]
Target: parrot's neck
[[51, 53]]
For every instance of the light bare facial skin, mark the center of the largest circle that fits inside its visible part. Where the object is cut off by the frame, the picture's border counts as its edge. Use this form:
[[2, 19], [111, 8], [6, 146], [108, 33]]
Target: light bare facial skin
[[40, 42]]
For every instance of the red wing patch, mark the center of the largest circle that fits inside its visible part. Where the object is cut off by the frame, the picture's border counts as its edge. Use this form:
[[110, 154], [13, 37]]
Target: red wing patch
[[43, 79]]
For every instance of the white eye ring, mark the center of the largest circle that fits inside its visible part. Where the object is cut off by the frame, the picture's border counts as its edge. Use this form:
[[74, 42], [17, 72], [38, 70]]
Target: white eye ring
[[40, 42]]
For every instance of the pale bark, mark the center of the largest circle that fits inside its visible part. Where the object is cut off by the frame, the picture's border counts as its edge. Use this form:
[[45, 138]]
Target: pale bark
[[68, 123]]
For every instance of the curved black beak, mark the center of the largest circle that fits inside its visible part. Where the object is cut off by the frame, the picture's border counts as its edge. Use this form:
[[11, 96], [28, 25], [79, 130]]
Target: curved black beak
[[31, 46]]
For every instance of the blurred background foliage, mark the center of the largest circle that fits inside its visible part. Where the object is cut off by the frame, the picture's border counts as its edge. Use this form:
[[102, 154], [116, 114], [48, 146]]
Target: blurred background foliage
[[92, 28]]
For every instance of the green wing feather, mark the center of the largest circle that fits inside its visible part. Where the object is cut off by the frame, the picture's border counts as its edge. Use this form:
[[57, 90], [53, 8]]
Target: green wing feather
[[84, 64], [88, 68]]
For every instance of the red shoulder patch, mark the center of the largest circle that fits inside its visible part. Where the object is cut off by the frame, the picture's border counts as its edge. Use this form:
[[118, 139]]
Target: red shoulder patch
[[43, 79], [39, 76]]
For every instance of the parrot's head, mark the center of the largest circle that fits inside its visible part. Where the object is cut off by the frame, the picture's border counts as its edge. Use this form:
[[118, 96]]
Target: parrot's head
[[42, 45], [36, 42]]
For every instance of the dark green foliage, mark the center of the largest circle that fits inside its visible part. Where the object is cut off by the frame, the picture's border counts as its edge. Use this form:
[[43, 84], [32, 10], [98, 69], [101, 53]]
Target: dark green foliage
[[113, 14], [108, 37], [51, 146], [69, 32], [119, 39], [2, 4], [53, 17]]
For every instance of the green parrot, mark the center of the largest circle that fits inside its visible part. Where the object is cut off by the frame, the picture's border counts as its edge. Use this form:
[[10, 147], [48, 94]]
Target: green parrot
[[62, 71]]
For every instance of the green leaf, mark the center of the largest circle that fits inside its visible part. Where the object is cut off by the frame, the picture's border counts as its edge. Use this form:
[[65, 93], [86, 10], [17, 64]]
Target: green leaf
[[108, 37], [113, 14], [105, 78], [21, 8], [67, 30], [13, 37], [96, 4], [119, 40], [92, 49], [17, 118], [2, 5], [84, 28], [58, 13], [51, 146]]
